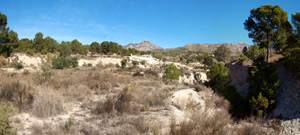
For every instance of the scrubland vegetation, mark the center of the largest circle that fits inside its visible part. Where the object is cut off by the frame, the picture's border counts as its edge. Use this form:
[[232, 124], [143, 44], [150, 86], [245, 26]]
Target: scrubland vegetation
[[62, 98]]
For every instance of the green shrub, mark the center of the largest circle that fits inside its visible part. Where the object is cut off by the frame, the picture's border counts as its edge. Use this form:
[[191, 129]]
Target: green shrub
[[7, 110], [123, 63], [143, 62], [45, 75], [17, 65], [172, 72], [292, 62], [58, 62], [68, 125], [134, 63], [208, 60], [64, 62], [263, 82], [220, 82]]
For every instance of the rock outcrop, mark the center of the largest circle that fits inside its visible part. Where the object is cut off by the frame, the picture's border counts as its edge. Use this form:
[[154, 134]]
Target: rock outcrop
[[288, 99], [239, 73]]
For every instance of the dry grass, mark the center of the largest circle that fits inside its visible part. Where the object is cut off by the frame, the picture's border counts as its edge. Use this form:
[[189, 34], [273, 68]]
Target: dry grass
[[19, 93], [105, 107], [48, 103]]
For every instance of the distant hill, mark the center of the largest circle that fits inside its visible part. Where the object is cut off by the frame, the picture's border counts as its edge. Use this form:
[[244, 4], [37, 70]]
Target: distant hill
[[143, 46], [210, 48]]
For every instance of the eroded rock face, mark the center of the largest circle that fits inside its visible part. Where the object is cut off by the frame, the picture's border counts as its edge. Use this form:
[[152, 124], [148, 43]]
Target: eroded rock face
[[26, 60], [239, 73], [193, 78], [288, 98]]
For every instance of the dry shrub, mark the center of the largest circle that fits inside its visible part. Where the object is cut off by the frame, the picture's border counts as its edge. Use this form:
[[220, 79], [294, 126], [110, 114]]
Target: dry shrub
[[250, 129], [105, 107], [204, 123], [124, 79], [121, 104], [90, 130], [152, 72], [47, 104], [77, 92], [17, 92], [124, 103], [140, 124], [3, 62], [50, 129]]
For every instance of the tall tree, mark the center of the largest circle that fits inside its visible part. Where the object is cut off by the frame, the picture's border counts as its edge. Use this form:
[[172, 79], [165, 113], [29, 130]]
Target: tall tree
[[263, 79], [4, 39], [12, 41], [95, 47], [293, 40], [50, 45], [65, 49], [38, 41], [105, 47], [76, 46], [266, 24], [25, 46]]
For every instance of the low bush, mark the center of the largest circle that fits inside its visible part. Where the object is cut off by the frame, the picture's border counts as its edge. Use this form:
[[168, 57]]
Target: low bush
[[45, 75], [135, 63], [64, 62], [121, 104], [47, 104], [17, 65], [123, 63], [17, 92], [105, 107], [7, 110], [172, 72]]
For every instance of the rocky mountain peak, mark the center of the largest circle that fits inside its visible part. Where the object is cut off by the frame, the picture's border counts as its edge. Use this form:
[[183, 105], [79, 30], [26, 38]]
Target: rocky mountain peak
[[145, 45]]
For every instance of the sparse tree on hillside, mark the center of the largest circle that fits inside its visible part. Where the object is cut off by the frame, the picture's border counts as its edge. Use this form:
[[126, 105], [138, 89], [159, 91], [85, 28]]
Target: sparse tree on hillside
[[50, 45], [222, 53], [95, 47], [64, 49], [208, 60], [75, 46], [172, 72], [105, 47], [8, 38], [25, 46], [265, 24], [264, 79], [38, 42]]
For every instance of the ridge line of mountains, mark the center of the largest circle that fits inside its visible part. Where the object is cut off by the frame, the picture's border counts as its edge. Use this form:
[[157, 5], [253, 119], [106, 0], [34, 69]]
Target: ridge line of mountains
[[209, 48]]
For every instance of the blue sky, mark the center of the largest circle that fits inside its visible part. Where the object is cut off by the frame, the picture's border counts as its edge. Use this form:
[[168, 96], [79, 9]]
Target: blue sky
[[167, 23]]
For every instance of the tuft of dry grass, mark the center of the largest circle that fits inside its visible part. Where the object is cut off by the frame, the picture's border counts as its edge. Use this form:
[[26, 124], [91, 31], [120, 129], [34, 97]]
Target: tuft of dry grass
[[106, 107], [48, 103], [17, 92], [124, 104], [121, 104]]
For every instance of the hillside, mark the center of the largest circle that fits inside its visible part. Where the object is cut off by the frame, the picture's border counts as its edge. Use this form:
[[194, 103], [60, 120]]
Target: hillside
[[143, 46], [209, 48]]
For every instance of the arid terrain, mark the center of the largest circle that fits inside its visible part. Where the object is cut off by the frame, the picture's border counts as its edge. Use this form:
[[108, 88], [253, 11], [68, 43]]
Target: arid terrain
[[99, 98]]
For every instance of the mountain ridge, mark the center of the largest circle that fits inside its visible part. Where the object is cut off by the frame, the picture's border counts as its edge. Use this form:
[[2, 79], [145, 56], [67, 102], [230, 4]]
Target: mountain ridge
[[145, 45]]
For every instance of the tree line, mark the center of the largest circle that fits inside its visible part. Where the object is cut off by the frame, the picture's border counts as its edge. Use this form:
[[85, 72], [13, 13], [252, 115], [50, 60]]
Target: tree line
[[269, 28], [9, 43]]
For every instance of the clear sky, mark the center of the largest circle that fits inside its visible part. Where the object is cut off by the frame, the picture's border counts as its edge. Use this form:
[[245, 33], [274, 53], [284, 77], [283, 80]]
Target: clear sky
[[167, 23]]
